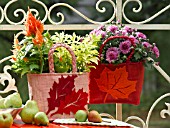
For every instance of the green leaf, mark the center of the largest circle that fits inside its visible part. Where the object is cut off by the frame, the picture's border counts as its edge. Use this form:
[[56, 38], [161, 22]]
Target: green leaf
[[34, 66], [137, 56], [27, 49], [94, 60], [24, 71]]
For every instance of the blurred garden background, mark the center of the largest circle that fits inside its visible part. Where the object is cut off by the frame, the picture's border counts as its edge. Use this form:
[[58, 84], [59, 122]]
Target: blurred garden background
[[154, 84]]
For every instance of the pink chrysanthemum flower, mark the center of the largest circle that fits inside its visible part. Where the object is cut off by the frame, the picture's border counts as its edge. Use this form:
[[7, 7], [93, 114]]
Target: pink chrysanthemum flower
[[102, 33], [140, 35], [101, 27], [124, 32], [128, 29], [94, 31], [134, 39], [112, 28], [146, 44], [125, 46], [155, 51], [112, 54]]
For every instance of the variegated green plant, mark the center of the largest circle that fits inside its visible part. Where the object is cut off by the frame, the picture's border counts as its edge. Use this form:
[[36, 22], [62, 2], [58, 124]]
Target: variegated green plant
[[31, 58], [31, 53], [83, 47]]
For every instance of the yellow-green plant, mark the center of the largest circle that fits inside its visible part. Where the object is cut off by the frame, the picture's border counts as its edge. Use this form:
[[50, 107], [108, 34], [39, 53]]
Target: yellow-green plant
[[83, 47]]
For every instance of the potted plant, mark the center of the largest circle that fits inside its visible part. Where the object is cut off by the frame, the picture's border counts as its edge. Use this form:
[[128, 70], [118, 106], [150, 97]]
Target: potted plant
[[123, 52], [57, 67]]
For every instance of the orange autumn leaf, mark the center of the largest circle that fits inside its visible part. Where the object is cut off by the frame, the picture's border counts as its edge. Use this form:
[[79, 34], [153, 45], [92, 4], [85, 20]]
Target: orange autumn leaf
[[116, 83]]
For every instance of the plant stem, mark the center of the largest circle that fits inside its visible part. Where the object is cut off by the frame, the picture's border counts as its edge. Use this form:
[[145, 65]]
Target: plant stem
[[41, 60]]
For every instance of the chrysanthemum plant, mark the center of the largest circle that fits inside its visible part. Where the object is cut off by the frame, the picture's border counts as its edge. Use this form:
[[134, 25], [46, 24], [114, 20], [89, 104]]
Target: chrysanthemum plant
[[31, 53], [118, 50]]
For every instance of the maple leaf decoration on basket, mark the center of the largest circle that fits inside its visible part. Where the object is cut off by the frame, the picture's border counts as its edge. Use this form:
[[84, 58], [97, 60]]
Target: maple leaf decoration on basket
[[111, 83], [64, 96]]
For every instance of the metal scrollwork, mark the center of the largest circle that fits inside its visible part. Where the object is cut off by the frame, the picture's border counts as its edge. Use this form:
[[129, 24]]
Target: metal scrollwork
[[11, 81], [45, 8], [61, 15], [15, 13], [139, 9], [2, 14], [23, 12], [162, 113], [165, 111]]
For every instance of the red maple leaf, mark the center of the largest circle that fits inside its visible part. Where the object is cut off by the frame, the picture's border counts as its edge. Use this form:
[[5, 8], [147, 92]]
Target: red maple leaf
[[116, 83], [73, 102], [59, 91]]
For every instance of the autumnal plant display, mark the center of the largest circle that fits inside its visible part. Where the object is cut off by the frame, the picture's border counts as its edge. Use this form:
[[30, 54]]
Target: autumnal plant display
[[118, 50], [118, 77], [57, 68], [31, 53]]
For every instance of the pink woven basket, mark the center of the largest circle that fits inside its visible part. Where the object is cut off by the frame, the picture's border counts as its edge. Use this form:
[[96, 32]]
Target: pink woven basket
[[60, 95]]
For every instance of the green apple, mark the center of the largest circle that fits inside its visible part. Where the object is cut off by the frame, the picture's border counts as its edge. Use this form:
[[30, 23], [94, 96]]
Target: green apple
[[41, 119], [6, 120], [81, 115], [28, 112], [2, 106], [13, 101]]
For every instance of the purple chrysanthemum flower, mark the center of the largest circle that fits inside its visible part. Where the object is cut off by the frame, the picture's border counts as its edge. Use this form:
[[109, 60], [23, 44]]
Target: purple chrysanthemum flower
[[134, 39], [125, 46], [146, 44], [117, 32], [155, 51], [112, 28], [112, 54], [102, 33], [128, 29], [94, 31], [124, 32], [140, 35], [101, 27]]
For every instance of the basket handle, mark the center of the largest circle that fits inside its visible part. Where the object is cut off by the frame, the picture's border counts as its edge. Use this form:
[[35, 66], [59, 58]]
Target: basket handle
[[114, 37], [51, 60]]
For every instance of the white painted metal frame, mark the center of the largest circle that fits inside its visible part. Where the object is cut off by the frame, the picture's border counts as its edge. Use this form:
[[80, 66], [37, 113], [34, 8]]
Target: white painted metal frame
[[119, 13]]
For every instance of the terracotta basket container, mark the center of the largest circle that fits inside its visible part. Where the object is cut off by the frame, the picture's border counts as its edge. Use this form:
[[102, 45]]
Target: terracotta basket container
[[120, 83], [60, 95]]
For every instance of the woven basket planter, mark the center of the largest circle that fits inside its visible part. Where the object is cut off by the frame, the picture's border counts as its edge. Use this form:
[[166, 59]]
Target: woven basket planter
[[60, 95], [120, 83]]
